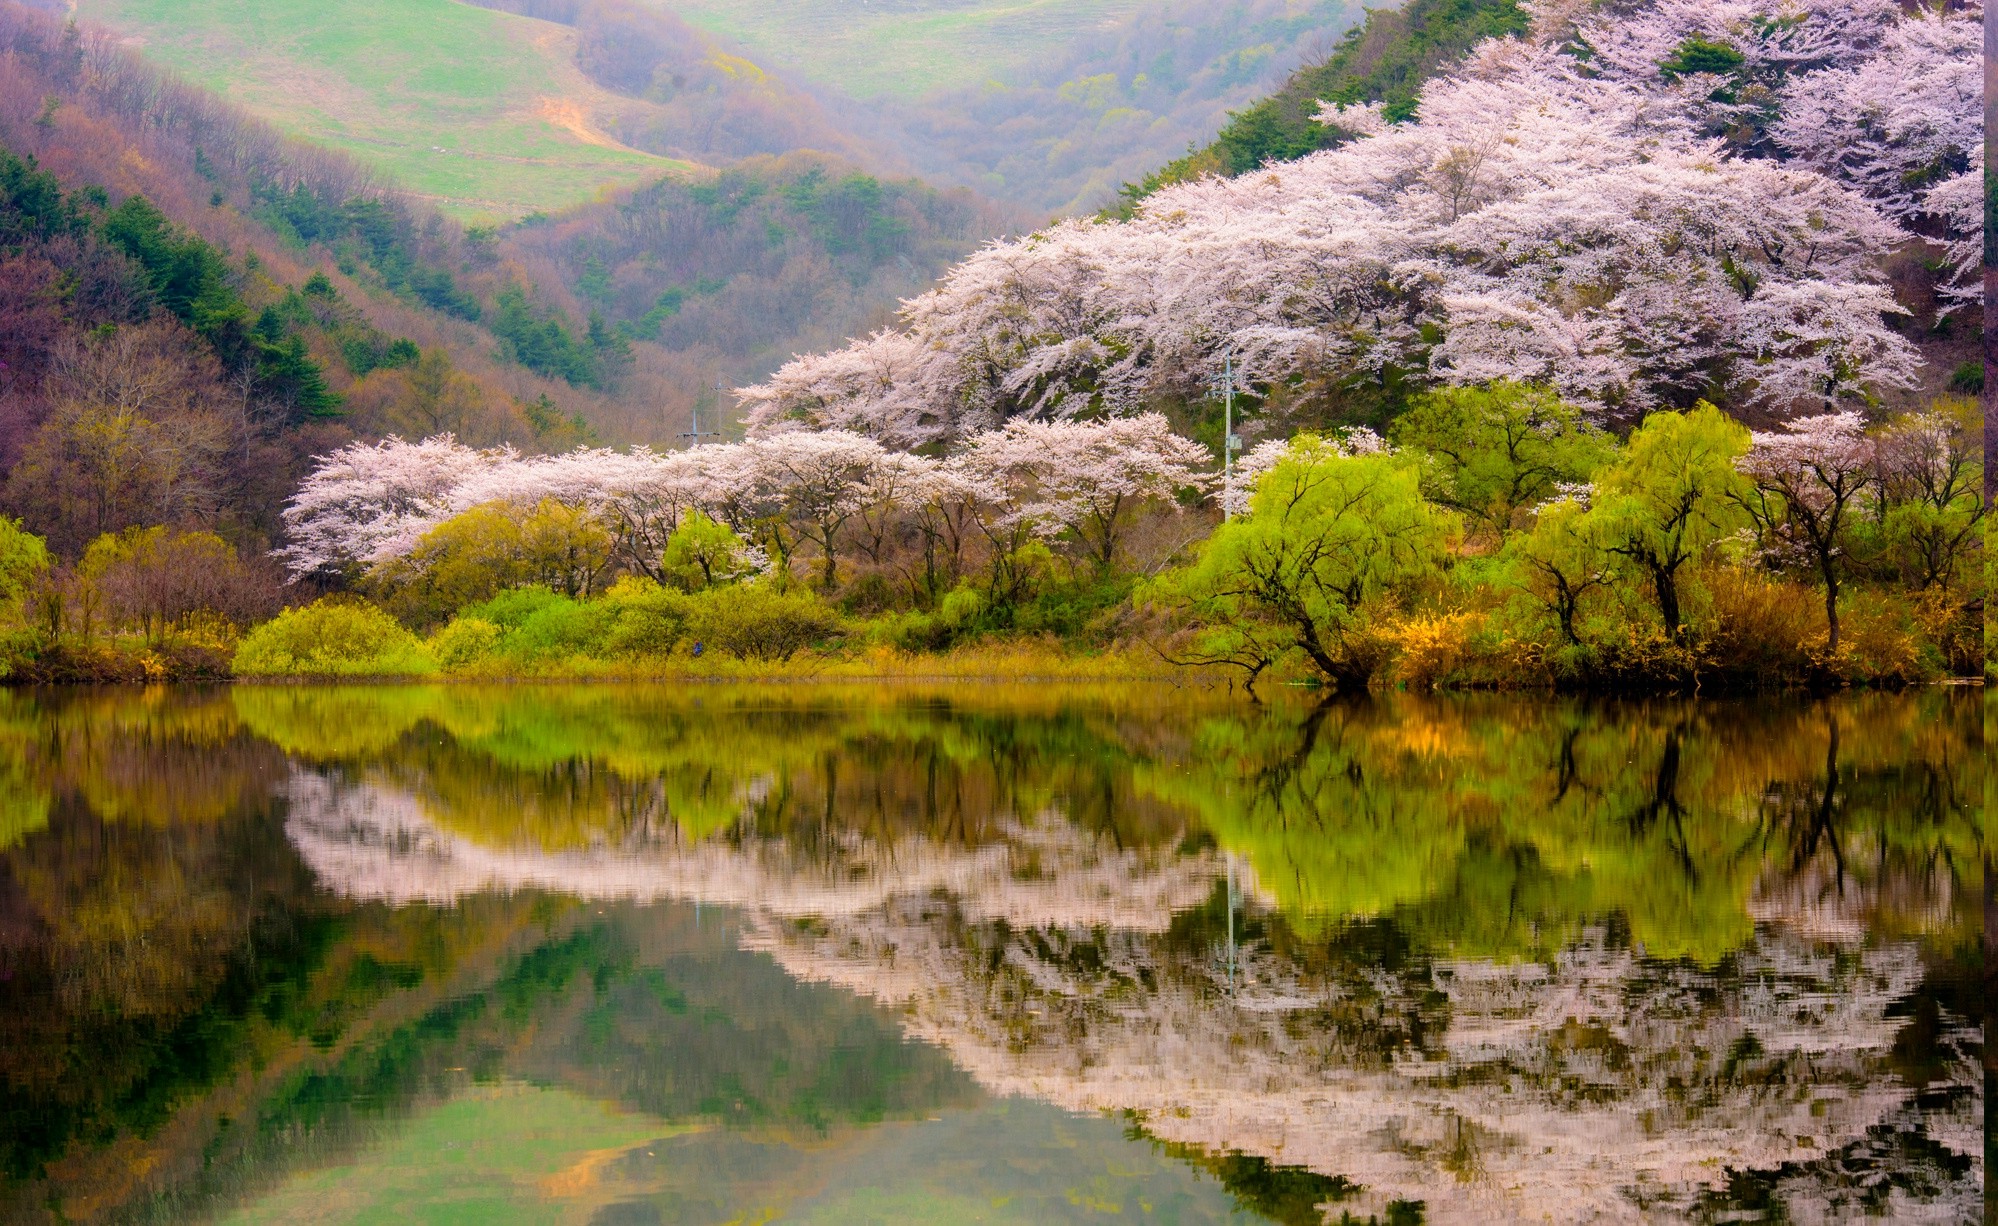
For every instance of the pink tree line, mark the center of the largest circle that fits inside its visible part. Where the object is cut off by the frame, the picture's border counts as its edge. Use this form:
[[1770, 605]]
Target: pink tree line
[[1074, 485]]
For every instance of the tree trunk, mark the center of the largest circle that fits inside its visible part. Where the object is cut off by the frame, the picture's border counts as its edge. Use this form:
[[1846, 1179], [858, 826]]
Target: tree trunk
[[1347, 675], [1666, 584]]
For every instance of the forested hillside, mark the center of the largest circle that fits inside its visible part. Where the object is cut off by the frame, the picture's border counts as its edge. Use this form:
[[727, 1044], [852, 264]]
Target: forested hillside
[[1048, 105], [513, 106], [1643, 207], [725, 278], [1386, 59], [174, 349], [749, 267], [193, 307], [1060, 130]]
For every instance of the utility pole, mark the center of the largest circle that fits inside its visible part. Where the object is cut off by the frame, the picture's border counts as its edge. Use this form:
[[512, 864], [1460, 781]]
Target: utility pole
[[695, 435], [1230, 441]]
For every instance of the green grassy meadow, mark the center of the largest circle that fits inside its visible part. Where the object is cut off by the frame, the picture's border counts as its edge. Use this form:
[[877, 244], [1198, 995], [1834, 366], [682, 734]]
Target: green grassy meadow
[[481, 112], [903, 48]]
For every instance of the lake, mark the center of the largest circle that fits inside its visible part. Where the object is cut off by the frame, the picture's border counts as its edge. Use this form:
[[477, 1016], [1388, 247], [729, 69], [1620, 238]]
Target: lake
[[613, 954]]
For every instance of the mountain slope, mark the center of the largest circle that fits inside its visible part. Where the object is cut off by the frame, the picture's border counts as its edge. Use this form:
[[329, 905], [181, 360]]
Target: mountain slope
[[483, 113], [908, 48], [1386, 60], [1047, 104], [572, 315], [518, 106]]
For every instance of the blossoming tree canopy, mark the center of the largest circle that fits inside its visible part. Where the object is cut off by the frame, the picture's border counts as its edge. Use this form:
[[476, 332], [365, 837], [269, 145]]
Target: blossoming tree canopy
[[1809, 476], [370, 506], [1642, 204], [1086, 478]]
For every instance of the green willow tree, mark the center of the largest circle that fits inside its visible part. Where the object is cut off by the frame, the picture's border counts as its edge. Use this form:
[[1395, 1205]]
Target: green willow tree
[[1671, 496], [1328, 539], [1497, 451]]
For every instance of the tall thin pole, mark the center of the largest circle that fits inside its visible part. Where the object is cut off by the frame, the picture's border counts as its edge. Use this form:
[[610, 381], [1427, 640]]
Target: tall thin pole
[[695, 435], [1230, 442]]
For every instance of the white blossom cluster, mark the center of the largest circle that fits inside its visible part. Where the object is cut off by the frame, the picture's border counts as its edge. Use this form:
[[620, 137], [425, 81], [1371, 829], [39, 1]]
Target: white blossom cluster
[[1595, 206], [369, 504]]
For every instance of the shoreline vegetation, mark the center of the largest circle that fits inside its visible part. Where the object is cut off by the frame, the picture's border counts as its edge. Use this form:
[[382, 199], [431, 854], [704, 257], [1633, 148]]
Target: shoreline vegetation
[[1496, 540]]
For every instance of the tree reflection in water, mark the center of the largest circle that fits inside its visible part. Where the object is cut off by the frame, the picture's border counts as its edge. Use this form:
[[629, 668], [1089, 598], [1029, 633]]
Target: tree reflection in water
[[1505, 958]]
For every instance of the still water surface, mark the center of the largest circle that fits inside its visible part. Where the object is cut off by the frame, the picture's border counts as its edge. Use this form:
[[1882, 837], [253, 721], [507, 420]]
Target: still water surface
[[627, 955]]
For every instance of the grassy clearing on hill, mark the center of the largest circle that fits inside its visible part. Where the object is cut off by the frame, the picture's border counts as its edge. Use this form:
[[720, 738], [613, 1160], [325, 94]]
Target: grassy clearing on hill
[[483, 112], [905, 48]]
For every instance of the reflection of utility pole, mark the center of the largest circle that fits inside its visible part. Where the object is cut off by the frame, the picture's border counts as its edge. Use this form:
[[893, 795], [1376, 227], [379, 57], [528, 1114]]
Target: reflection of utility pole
[[1232, 897], [1230, 442], [695, 435]]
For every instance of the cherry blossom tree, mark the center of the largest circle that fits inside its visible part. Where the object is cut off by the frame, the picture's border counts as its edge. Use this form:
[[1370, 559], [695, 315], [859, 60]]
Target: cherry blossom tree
[[943, 505], [1086, 479], [366, 502], [825, 479], [1900, 120], [833, 490], [1808, 478], [1643, 203], [1931, 483], [872, 386], [896, 485]]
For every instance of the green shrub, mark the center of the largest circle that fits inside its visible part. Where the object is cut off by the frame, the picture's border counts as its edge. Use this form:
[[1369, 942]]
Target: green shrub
[[962, 606], [467, 640], [510, 609], [757, 622], [1069, 611], [24, 558], [958, 616], [702, 554], [333, 638], [561, 628], [643, 619]]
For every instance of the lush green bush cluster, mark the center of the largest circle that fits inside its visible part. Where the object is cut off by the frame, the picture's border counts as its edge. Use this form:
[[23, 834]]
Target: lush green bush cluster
[[333, 638], [532, 630]]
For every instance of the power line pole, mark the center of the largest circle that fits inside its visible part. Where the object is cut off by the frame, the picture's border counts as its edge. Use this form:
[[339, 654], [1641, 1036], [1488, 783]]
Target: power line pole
[[1230, 441], [696, 434]]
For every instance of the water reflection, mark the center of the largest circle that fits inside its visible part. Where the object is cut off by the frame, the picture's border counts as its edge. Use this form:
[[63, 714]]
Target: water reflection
[[620, 954]]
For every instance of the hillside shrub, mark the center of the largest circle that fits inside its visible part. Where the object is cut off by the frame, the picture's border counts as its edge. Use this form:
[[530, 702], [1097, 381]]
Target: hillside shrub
[[465, 642], [161, 580], [643, 619], [1880, 644], [755, 621], [335, 637]]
